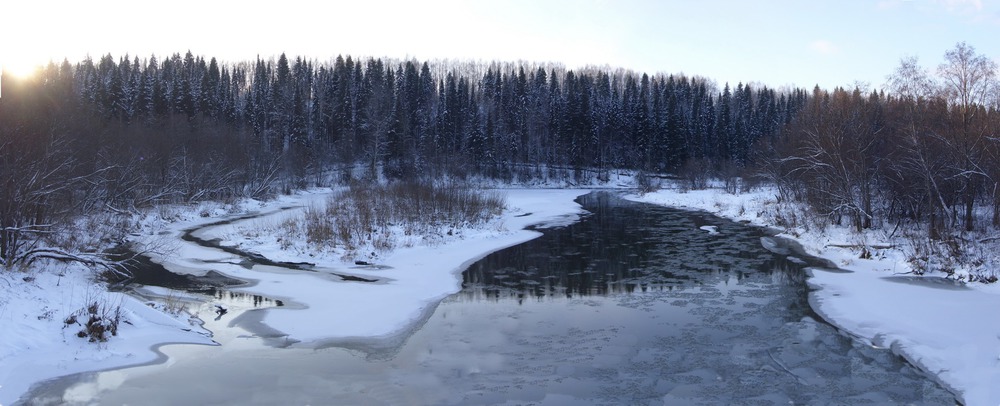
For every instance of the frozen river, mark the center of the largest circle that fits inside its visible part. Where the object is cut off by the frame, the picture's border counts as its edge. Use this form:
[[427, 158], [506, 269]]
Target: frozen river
[[634, 304]]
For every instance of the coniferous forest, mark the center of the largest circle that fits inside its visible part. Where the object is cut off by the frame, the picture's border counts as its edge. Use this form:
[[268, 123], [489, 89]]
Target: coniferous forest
[[121, 134]]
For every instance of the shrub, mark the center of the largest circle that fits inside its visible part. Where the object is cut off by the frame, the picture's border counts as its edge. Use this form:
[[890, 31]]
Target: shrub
[[696, 173], [371, 216], [319, 227], [646, 184], [102, 321]]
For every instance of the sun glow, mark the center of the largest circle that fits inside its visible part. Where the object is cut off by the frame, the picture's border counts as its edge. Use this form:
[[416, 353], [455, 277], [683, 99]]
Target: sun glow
[[12, 71], [19, 70]]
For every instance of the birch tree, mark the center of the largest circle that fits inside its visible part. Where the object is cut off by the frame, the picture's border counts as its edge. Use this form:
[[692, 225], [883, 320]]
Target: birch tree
[[968, 80]]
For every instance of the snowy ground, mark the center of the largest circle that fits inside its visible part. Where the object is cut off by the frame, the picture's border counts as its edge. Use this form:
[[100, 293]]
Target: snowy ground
[[947, 328], [320, 307], [36, 344]]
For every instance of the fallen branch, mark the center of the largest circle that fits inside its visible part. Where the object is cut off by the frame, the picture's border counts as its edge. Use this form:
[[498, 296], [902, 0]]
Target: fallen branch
[[876, 247], [89, 259]]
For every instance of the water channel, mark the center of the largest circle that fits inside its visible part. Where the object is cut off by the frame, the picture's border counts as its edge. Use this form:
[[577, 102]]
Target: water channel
[[634, 304]]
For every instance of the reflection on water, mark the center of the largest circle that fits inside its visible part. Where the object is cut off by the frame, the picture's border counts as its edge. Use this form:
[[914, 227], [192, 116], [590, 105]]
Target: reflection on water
[[214, 285], [624, 247], [635, 304], [244, 299], [641, 304]]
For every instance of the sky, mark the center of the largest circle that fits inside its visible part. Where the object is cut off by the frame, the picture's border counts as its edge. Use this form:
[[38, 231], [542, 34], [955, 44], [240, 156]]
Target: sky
[[777, 43]]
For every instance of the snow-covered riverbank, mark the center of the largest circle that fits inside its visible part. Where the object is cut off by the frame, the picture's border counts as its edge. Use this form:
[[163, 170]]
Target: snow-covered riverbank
[[320, 306], [947, 328], [37, 344], [943, 327]]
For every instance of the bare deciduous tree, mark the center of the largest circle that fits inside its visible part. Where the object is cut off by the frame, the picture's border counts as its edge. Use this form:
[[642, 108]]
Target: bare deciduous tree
[[967, 82], [835, 155], [910, 81]]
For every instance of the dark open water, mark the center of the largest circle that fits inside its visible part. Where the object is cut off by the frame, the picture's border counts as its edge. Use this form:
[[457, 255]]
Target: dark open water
[[632, 305]]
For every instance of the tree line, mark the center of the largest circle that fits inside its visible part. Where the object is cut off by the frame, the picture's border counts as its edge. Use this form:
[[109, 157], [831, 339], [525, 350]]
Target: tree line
[[121, 134], [404, 118], [927, 152]]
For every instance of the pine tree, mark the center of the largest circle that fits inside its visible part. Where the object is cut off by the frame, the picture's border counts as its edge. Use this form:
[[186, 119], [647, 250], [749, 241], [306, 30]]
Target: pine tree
[[724, 127]]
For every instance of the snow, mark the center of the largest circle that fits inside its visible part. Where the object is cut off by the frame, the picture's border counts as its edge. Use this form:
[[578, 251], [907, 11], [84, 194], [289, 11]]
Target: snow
[[947, 328], [321, 307], [36, 344], [712, 230]]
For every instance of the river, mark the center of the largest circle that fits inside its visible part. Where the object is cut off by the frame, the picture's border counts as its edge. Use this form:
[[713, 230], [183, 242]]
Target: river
[[633, 304]]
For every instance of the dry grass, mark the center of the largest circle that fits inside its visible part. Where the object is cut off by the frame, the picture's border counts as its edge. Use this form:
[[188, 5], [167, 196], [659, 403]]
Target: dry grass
[[374, 216], [99, 321]]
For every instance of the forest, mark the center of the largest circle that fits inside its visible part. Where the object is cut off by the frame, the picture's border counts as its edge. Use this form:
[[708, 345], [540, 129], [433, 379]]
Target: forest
[[119, 135]]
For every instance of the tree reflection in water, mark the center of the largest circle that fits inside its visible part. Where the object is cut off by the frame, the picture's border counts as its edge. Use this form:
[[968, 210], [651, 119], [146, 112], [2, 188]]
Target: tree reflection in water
[[626, 247]]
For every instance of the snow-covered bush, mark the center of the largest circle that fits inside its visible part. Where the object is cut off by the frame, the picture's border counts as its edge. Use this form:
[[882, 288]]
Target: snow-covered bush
[[646, 184], [101, 323]]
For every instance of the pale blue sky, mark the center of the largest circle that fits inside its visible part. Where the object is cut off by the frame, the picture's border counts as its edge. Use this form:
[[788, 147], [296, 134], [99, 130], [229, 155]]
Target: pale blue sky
[[775, 42]]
